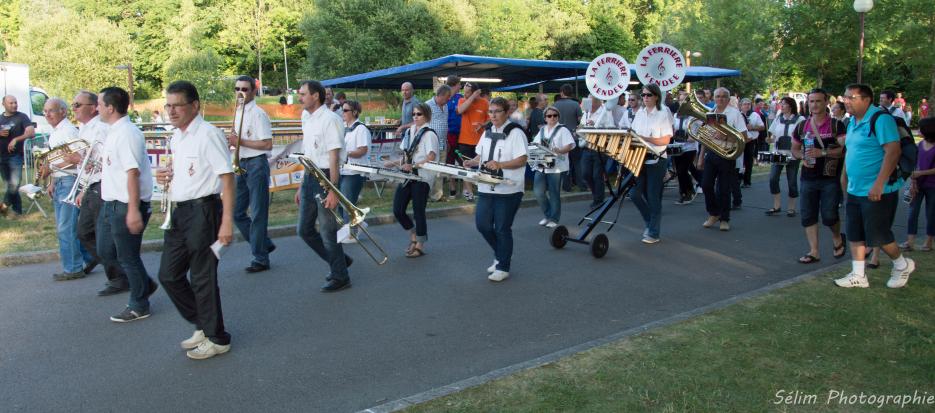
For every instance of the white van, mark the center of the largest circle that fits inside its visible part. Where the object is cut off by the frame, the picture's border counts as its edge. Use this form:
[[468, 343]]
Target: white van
[[14, 80]]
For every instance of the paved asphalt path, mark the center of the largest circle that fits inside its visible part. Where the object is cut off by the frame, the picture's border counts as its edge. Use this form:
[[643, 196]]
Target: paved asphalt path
[[406, 327]]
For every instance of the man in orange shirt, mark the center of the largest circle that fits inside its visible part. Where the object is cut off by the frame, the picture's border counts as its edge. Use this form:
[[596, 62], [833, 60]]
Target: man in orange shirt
[[473, 110]]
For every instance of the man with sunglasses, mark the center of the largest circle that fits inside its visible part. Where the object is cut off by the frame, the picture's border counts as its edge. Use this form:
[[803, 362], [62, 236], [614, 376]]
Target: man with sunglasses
[[94, 132], [256, 142], [872, 190]]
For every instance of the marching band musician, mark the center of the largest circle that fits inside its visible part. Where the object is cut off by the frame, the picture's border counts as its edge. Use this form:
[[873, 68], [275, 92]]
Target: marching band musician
[[323, 143], [781, 135], [718, 170], [357, 140], [419, 146], [256, 142], [547, 183], [126, 188], [94, 132], [685, 161], [200, 170], [653, 122], [501, 149], [71, 254]]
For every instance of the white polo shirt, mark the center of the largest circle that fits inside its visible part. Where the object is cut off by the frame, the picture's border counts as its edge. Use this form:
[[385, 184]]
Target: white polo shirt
[[735, 120], [353, 139], [654, 123], [61, 134], [125, 149], [558, 137], [505, 150], [682, 123], [256, 127], [199, 157], [322, 132], [91, 132]]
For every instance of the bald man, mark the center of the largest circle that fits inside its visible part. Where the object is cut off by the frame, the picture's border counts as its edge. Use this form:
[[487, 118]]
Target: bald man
[[15, 128], [409, 102]]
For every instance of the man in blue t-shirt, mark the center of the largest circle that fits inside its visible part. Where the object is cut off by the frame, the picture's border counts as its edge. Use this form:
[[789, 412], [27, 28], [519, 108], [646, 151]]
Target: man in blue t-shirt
[[872, 189], [15, 128]]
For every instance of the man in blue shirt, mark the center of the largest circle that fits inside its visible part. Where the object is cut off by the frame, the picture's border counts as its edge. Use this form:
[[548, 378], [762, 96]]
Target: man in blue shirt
[[454, 128], [872, 190]]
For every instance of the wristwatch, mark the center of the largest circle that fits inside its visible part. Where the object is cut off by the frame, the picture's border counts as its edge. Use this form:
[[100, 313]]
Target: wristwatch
[[824, 152]]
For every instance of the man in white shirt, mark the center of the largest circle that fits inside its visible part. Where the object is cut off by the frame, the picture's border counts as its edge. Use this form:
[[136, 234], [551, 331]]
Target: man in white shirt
[[323, 143], [754, 126], [256, 142], [70, 252], [94, 132], [718, 170], [126, 188], [201, 182], [886, 103]]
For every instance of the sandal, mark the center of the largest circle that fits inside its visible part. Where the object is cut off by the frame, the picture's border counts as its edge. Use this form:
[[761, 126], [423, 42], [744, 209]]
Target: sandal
[[773, 211], [873, 266], [842, 247], [809, 259], [905, 246], [926, 248], [415, 253], [790, 213], [412, 244]]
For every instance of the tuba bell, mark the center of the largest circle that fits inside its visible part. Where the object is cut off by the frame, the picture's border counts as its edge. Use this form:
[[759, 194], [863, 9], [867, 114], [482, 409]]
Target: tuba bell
[[723, 140], [50, 158]]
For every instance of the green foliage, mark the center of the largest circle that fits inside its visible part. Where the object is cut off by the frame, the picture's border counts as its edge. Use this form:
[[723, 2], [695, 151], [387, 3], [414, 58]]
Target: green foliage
[[200, 68], [67, 54], [10, 22]]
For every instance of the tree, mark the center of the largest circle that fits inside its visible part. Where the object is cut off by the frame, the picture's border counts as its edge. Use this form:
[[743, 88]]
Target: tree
[[10, 23]]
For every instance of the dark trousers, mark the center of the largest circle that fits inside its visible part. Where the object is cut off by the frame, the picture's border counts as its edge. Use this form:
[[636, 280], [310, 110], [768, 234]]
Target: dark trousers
[[253, 194], [926, 197], [324, 239], [722, 172], [592, 171], [87, 225], [187, 246], [735, 189], [647, 196], [418, 194], [749, 155], [573, 177], [494, 220], [116, 245], [11, 171], [685, 170]]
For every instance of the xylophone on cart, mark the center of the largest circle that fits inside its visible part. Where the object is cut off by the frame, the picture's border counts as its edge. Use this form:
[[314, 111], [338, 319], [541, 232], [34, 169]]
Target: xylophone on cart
[[630, 150]]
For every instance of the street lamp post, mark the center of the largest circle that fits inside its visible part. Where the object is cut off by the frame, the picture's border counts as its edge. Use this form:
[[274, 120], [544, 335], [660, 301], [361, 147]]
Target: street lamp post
[[688, 63], [129, 68], [861, 7]]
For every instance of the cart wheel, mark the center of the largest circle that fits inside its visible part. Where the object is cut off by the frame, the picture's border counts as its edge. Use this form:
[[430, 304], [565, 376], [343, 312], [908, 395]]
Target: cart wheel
[[599, 245], [559, 237]]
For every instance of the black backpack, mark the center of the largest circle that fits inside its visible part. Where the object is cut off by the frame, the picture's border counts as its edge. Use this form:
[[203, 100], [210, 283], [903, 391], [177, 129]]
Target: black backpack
[[910, 152]]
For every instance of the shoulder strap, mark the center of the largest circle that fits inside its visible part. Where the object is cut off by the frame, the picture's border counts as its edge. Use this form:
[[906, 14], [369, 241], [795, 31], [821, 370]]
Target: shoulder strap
[[873, 121]]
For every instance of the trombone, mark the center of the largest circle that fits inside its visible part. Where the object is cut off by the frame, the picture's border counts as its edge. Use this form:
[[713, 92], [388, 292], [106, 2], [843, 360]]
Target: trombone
[[357, 215]]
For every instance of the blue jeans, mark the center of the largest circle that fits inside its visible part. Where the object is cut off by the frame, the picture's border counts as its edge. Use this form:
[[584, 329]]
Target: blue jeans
[[494, 220], [592, 168], [792, 170], [116, 245], [647, 195], [253, 193], [927, 194], [324, 240], [11, 170], [70, 252], [547, 187], [350, 186]]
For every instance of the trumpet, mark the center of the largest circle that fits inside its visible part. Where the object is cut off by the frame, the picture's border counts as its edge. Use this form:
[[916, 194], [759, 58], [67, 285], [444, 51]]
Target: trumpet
[[723, 140], [357, 215], [90, 167], [241, 106], [166, 205]]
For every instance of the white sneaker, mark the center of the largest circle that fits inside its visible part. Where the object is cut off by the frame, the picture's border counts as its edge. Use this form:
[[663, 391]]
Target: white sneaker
[[543, 222], [551, 224], [493, 267], [698, 190], [349, 240], [852, 280], [498, 276], [194, 340], [207, 349], [650, 240], [898, 279]]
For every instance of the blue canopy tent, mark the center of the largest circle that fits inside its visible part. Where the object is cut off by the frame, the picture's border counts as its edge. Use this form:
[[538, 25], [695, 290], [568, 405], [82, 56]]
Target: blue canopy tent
[[692, 74], [509, 72]]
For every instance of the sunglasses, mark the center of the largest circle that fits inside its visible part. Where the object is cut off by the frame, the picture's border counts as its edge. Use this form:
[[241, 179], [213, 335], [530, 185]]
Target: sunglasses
[[77, 105], [414, 114], [552, 115], [495, 111], [646, 95], [241, 89]]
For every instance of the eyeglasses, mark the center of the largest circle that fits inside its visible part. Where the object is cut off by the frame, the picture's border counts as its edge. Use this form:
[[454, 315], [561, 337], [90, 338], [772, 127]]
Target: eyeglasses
[[552, 115], [77, 105], [852, 97], [351, 110], [242, 89], [169, 107], [495, 111], [414, 114], [646, 95]]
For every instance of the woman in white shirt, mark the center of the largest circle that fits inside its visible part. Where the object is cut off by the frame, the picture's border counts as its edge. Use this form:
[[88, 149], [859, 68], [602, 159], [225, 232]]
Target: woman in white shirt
[[501, 150], [419, 146], [357, 142], [547, 183], [654, 123], [780, 139]]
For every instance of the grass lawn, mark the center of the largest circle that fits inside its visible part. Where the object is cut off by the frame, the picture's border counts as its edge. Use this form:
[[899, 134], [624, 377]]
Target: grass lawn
[[811, 337]]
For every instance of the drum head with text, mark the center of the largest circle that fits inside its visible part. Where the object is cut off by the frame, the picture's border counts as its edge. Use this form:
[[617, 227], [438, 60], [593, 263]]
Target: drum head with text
[[661, 64], [607, 76]]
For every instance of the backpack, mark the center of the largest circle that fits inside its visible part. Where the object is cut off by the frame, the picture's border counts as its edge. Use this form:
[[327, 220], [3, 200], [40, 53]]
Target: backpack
[[910, 152]]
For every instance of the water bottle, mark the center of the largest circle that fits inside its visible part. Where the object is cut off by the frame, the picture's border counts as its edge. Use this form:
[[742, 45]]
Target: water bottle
[[809, 144]]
